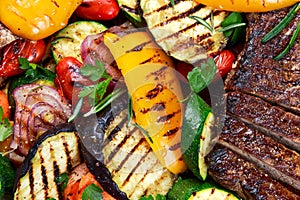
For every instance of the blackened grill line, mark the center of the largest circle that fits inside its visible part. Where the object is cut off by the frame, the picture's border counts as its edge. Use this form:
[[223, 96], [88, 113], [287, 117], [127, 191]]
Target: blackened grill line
[[148, 171], [163, 7], [141, 142], [181, 15], [112, 134], [138, 47], [67, 152], [31, 180], [56, 172], [44, 174]]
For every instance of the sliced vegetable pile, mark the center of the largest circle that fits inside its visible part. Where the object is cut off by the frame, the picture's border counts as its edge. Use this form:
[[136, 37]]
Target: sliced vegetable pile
[[78, 60]]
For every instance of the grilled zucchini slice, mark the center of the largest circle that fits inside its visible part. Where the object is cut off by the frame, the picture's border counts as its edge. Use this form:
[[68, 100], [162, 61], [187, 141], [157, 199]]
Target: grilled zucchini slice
[[57, 151], [67, 42], [130, 160], [193, 189], [181, 36]]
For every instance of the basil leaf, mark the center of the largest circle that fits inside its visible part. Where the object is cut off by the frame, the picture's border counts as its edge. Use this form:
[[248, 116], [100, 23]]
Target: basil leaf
[[92, 192], [201, 76]]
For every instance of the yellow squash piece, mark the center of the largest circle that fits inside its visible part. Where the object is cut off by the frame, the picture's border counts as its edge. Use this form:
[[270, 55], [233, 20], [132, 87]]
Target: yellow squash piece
[[155, 92], [248, 5], [36, 19]]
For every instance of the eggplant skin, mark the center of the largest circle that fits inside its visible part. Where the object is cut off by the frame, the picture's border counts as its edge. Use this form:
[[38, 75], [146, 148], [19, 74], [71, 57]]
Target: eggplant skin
[[57, 151]]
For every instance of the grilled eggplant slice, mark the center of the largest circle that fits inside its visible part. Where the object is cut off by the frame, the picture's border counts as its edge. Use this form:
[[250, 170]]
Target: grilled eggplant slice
[[57, 151], [181, 36], [129, 158]]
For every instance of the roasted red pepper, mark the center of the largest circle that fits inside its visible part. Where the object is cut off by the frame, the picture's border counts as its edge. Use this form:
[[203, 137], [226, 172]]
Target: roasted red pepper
[[98, 10], [33, 51]]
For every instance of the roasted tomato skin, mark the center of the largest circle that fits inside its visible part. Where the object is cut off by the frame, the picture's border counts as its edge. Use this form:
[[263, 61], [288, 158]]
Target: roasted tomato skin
[[33, 51], [67, 71], [224, 61], [98, 10]]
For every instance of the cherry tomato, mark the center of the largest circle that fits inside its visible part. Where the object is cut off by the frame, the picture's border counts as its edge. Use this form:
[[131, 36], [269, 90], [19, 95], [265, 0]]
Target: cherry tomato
[[224, 61], [67, 71], [98, 9], [33, 51]]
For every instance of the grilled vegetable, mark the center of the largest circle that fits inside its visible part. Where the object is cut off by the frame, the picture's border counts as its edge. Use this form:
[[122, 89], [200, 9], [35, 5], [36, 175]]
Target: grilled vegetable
[[129, 158], [98, 10], [249, 6], [38, 108], [192, 189], [196, 135], [79, 182], [132, 11], [7, 176], [9, 54], [181, 36], [36, 20], [68, 41], [155, 92], [56, 152]]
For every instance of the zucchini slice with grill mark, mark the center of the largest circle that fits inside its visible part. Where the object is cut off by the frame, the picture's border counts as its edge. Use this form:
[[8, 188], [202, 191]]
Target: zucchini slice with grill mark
[[57, 151], [67, 42], [129, 158], [192, 189], [181, 36]]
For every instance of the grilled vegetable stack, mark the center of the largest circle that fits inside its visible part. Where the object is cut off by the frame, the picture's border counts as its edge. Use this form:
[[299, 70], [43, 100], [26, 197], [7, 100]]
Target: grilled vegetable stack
[[155, 93]]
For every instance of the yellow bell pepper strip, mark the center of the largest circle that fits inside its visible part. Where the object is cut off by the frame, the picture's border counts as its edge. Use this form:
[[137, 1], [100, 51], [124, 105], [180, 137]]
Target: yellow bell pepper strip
[[36, 19], [155, 94], [248, 5]]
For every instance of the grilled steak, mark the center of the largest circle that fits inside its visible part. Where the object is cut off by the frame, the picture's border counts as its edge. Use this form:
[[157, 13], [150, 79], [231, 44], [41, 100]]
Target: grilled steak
[[258, 73], [271, 120], [243, 177], [258, 148], [279, 161]]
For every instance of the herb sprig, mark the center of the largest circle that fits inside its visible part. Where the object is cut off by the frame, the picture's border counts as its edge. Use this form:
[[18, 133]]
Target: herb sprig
[[232, 26], [280, 26], [95, 93]]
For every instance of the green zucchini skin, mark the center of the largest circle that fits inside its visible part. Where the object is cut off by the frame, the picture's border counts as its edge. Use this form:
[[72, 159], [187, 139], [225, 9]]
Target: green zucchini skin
[[195, 115]]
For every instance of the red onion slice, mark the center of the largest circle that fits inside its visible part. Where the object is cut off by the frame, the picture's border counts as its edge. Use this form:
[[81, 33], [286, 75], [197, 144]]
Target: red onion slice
[[38, 108]]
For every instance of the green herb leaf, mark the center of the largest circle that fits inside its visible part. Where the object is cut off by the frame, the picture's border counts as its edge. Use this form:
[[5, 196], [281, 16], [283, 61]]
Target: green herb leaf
[[233, 27], [203, 22], [172, 3], [104, 102], [201, 76], [290, 44], [24, 64], [51, 198], [62, 180], [282, 24], [94, 72], [6, 129], [92, 192]]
